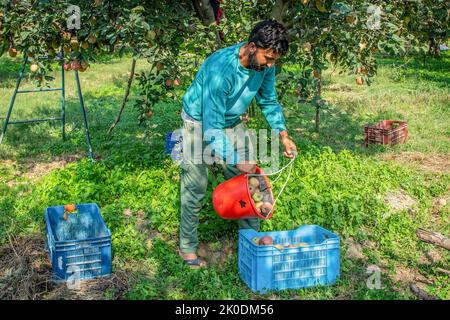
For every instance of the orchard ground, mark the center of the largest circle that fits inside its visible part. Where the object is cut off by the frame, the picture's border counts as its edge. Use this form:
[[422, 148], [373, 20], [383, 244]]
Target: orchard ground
[[373, 198]]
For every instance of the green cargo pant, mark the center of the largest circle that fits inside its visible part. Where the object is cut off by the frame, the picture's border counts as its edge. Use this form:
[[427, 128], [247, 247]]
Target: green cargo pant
[[194, 183]]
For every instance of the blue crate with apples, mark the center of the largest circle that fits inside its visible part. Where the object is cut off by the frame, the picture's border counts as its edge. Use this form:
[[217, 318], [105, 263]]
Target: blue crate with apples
[[305, 257], [78, 243]]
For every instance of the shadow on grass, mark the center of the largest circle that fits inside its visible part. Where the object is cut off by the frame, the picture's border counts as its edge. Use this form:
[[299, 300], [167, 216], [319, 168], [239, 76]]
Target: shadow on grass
[[144, 144], [8, 201], [173, 279], [338, 130], [130, 142], [10, 69]]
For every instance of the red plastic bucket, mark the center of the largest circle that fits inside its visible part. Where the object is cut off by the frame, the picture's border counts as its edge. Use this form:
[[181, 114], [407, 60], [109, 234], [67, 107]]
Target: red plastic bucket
[[232, 199]]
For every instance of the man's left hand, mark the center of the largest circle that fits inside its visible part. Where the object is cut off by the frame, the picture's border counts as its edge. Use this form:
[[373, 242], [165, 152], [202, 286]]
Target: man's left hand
[[290, 149]]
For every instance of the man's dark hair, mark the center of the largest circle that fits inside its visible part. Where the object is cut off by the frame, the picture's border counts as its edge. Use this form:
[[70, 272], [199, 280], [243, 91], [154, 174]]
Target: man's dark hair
[[270, 34]]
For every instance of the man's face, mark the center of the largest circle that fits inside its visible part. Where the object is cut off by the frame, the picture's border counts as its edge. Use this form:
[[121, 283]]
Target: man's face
[[259, 58]]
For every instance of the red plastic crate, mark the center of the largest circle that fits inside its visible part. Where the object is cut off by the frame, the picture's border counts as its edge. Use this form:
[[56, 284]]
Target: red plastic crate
[[386, 132]]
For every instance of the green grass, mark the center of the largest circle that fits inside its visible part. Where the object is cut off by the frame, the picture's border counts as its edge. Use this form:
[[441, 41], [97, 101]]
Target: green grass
[[337, 183]]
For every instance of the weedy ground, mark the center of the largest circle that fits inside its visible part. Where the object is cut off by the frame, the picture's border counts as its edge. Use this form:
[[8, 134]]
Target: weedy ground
[[373, 198]]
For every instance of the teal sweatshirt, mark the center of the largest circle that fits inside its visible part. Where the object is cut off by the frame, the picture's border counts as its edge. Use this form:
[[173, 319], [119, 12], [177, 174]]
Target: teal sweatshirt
[[222, 91]]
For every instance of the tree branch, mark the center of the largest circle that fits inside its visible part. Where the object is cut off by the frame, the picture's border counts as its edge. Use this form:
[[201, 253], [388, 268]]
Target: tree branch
[[443, 271], [125, 98], [433, 238], [420, 293]]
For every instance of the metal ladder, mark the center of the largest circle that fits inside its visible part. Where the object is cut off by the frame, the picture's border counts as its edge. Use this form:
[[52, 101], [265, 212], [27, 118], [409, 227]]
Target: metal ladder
[[60, 56]]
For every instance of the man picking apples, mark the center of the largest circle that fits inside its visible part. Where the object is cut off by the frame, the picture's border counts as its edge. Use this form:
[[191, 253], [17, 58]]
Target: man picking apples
[[220, 94]]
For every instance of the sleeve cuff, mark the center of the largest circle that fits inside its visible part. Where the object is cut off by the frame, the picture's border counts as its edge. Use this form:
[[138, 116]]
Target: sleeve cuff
[[278, 129]]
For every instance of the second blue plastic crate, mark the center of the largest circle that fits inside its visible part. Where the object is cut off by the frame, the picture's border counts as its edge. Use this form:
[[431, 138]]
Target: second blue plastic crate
[[275, 267], [79, 247]]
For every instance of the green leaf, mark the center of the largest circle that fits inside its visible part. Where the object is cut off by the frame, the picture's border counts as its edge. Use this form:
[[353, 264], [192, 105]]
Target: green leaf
[[24, 34]]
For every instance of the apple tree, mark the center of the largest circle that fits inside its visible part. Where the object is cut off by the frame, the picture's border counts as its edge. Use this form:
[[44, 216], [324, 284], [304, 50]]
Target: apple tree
[[429, 21], [175, 36], [346, 34]]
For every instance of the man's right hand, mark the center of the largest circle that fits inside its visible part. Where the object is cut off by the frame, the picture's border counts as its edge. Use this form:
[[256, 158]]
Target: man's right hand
[[247, 166]]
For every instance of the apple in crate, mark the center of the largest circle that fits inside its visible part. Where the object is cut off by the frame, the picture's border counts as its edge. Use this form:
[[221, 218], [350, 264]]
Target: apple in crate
[[266, 241]]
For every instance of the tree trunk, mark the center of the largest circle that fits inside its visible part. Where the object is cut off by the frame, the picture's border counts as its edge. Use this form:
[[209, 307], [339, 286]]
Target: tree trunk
[[125, 98], [317, 98], [433, 48], [205, 11], [433, 238], [317, 118], [252, 112]]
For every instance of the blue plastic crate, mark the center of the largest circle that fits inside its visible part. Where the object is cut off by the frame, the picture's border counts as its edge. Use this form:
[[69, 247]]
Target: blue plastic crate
[[79, 247], [265, 268]]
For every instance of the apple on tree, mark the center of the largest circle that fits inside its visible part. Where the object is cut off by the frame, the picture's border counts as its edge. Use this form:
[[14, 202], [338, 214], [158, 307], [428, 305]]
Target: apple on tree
[[34, 68], [12, 52]]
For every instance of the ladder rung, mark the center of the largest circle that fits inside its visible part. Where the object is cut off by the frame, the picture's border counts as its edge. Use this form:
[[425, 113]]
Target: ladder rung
[[33, 120], [39, 90]]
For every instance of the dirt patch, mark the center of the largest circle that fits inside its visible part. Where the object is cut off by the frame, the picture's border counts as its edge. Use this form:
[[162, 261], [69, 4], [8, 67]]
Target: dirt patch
[[440, 211], [26, 274], [113, 287], [400, 200], [25, 271], [216, 253], [436, 163], [355, 250], [405, 277], [8, 163], [127, 213], [340, 87], [434, 256], [370, 244], [35, 170], [440, 203], [142, 224]]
